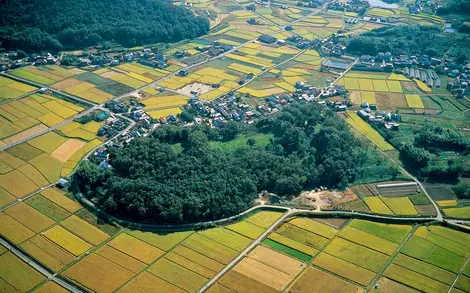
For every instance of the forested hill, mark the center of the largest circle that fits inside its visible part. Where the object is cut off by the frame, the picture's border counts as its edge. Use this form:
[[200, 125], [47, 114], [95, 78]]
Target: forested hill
[[179, 175], [34, 25]]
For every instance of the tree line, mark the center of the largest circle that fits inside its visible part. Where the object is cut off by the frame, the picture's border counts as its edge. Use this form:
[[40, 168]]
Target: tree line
[[152, 180], [35, 25]]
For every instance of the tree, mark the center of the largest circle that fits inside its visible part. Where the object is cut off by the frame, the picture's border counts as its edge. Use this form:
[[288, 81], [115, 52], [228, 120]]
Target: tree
[[251, 141], [415, 157], [230, 131]]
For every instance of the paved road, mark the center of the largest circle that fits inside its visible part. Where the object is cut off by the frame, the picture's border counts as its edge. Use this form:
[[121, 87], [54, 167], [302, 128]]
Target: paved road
[[37, 266], [244, 253]]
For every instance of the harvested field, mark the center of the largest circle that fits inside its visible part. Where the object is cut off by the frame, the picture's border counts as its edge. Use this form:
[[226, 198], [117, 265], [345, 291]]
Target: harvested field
[[227, 237], [263, 273], [324, 283], [177, 275], [86, 231], [344, 268], [29, 217], [18, 274], [314, 227], [276, 260], [356, 254], [67, 149], [241, 283], [98, 274], [392, 232], [136, 248], [427, 209], [439, 192], [336, 223], [302, 236], [160, 240], [148, 283], [246, 229], [414, 280], [67, 240], [368, 240], [198, 258], [210, 248]]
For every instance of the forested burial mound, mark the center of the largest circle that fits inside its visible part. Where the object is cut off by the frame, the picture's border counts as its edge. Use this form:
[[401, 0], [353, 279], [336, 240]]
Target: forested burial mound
[[35, 25], [181, 175]]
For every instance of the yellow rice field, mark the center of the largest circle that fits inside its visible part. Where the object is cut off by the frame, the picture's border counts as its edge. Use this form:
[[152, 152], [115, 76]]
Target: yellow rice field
[[414, 101], [67, 240], [376, 205], [365, 129]]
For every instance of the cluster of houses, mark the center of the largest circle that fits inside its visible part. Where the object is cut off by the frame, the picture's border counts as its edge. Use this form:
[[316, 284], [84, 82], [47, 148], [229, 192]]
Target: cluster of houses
[[311, 3], [461, 85], [11, 60], [370, 114], [358, 6], [419, 6]]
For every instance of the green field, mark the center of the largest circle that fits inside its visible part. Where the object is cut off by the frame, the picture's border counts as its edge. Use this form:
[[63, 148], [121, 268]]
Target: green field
[[287, 250]]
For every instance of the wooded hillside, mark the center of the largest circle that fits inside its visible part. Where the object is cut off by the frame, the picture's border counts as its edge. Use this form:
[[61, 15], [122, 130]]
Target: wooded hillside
[[178, 175], [34, 25]]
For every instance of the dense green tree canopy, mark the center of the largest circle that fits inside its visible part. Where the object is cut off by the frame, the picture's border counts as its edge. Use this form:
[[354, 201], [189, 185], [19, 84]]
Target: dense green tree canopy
[[152, 180], [411, 40], [35, 25]]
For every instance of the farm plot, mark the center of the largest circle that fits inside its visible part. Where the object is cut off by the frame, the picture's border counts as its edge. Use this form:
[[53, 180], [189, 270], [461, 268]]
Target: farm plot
[[142, 72], [414, 101], [67, 240], [148, 283], [198, 258], [84, 230], [17, 275], [314, 227], [192, 266], [290, 247], [47, 252], [400, 205], [267, 274], [424, 250], [13, 230], [98, 274], [227, 237], [376, 205], [239, 282], [48, 208], [415, 280], [29, 217], [324, 283], [11, 89], [121, 259], [368, 240], [164, 241], [162, 102], [461, 212], [136, 248], [302, 236], [392, 232], [264, 219], [389, 286], [425, 269], [158, 114], [343, 268], [356, 254], [210, 248], [177, 275], [45, 75], [365, 129], [246, 229]]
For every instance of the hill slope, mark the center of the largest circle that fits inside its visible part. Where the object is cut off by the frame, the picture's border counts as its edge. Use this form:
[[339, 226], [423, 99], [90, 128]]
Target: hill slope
[[34, 25]]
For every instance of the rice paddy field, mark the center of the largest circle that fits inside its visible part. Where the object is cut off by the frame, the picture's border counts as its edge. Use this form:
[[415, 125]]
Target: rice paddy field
[[317, 26], [27, 116], [11, 89], [353, 256], [367, 131], [40, 161]]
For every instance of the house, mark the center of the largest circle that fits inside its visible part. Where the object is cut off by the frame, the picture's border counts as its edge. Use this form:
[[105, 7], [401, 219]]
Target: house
[[62, 183], [267, 39]]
